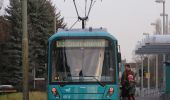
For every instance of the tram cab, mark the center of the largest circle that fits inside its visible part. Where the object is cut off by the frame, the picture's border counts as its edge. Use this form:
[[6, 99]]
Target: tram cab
[[83, 64]]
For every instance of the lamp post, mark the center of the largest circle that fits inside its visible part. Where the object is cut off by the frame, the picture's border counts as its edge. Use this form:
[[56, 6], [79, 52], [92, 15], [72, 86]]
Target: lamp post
[[166, 22], [163, 14], [154, 24], [164, 55], [163, 2]]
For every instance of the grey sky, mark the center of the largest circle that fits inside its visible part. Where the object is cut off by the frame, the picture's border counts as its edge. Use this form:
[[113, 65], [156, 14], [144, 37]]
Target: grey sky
[[127, 20]]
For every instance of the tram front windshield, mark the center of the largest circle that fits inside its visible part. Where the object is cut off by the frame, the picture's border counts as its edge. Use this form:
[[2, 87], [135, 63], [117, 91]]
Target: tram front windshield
[[83, 60]]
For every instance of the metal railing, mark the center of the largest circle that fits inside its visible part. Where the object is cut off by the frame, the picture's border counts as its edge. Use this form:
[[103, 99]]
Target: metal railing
[[151, 92]]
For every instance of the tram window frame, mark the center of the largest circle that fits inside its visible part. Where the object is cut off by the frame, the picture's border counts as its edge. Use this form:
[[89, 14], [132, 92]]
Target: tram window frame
[[113, 60]]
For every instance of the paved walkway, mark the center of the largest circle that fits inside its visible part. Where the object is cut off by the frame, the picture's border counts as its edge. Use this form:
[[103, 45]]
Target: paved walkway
[[148, 98]]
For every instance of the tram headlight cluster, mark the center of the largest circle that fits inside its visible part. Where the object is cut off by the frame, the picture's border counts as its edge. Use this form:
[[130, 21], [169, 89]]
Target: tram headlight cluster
[[55, 92], [110, 91]]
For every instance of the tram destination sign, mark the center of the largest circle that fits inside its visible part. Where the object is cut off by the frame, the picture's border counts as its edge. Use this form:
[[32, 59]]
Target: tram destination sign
[[82, 43]]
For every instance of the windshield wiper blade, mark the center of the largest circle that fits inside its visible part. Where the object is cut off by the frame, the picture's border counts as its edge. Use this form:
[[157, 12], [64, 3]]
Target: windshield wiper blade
[[63, 84], [100, 83]]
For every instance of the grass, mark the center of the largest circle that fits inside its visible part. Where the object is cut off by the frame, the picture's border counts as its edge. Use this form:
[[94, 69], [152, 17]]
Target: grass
[[18, 96]]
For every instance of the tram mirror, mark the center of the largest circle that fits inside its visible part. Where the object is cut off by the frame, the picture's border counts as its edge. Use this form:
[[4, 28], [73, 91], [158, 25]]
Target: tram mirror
[[119, 57]]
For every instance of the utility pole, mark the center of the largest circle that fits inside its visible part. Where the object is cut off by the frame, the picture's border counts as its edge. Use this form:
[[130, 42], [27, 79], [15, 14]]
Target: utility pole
[[163, 17], [25, 63], [163, 2], [167, 30], [166, 26]]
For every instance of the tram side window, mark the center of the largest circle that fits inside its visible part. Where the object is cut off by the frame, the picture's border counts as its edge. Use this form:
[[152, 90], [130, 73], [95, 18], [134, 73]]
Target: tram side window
[[60, 69], [109, 65]]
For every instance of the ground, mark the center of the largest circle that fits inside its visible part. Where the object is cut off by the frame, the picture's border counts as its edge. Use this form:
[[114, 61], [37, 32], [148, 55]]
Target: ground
[[18, 96]]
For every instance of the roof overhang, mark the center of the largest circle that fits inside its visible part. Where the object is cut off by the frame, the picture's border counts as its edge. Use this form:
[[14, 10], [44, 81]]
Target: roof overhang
[[158, 46]]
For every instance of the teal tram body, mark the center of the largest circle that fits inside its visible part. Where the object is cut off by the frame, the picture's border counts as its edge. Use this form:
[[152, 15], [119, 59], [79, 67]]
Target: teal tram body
[[83, 65]]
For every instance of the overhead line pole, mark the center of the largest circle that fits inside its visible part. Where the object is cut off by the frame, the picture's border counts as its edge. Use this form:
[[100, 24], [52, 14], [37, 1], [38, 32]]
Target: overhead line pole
[[163, 2], [25, 64], [163, 17]]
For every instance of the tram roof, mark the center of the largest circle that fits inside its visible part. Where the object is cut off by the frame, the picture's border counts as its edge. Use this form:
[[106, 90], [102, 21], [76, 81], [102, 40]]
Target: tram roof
[[82, 32]]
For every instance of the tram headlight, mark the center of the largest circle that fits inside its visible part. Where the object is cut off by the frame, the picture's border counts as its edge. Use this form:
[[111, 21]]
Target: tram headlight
[[55, 92], [110, 91]]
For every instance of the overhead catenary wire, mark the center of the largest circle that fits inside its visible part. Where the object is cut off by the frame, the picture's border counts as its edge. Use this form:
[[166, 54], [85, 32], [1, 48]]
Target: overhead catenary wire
[[75, 7], [90, 7], [85, 18], [74, 24], [93, 4]]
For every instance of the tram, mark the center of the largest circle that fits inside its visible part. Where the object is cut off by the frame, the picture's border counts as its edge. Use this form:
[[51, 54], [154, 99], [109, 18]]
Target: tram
[[83, 65]]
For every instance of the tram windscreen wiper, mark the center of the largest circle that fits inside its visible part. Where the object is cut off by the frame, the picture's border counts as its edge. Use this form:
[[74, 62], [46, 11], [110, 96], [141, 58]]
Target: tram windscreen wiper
[[102, 84], [63, 84]]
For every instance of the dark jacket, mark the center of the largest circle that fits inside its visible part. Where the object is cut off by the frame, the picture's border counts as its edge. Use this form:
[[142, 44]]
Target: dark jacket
[[128, 83]]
